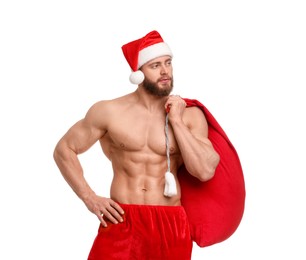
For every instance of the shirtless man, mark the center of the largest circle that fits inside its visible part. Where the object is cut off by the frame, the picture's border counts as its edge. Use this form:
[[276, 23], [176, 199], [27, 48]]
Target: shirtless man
[[131, 131]]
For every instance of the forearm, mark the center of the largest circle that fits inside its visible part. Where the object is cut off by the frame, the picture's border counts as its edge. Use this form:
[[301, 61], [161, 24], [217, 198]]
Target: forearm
[[71, 169], [199, 156]]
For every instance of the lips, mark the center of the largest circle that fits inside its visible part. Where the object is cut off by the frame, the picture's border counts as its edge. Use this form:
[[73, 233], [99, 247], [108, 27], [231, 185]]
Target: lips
[[164, 80]]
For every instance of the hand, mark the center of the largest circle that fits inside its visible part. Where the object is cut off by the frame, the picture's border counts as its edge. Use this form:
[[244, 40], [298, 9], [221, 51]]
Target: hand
[[175, 106], [104, 208]]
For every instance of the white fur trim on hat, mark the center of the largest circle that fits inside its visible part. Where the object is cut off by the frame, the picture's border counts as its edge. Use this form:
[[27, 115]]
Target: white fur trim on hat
[[152, 52]]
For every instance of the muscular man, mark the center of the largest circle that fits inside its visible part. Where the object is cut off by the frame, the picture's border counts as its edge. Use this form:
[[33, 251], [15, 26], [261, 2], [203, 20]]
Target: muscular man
[[140, 221]]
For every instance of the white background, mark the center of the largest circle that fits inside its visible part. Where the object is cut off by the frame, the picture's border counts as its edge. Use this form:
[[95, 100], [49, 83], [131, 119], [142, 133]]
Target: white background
[[245, 60]]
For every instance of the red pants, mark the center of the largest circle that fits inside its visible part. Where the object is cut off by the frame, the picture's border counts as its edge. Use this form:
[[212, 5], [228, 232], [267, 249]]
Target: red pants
[[147, 232]]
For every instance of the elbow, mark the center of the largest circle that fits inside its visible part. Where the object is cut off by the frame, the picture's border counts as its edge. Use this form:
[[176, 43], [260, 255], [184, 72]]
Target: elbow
[[209, 169], [203, 174], [58, 153], [206, 175]]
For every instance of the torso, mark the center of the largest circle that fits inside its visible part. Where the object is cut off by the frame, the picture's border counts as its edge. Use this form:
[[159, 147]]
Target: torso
[[135, 144]]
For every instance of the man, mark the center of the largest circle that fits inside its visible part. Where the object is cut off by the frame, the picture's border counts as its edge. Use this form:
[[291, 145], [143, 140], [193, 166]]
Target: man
[[147, 135]]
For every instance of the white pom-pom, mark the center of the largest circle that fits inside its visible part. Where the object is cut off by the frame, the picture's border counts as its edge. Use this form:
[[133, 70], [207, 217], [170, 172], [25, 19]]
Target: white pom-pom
[[136, 77], [170, 185]]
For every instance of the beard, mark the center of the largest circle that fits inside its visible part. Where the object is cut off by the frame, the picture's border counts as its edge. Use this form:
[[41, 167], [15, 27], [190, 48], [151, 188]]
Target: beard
[[153, 89]]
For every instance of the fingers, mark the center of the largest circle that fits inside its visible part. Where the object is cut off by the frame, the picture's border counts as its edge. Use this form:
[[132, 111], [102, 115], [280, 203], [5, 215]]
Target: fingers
[[112, 212], [100, 217], [176, 102]]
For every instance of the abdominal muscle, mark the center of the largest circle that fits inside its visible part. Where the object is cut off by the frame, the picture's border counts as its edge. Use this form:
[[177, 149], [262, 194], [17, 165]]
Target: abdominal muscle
[[137, 182], [139, 161], [141, 190]]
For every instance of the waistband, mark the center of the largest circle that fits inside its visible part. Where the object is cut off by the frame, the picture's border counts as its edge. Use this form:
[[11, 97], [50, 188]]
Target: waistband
[[148, 206]]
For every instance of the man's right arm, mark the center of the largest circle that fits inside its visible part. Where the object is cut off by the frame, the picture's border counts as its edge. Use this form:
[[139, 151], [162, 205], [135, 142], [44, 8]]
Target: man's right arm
[[78, 139], [74, 142]]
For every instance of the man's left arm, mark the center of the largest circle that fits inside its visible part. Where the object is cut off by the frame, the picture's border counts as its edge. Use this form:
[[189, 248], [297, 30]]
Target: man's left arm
[[191, 133]]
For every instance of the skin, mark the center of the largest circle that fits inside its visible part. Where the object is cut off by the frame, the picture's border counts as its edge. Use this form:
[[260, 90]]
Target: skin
[[130, 130]]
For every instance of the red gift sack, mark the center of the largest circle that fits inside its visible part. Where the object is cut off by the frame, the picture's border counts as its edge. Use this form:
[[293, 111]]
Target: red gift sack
[[214, 208]]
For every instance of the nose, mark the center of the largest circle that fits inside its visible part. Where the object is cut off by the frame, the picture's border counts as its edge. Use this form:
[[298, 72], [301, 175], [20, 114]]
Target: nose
[[164, 70]]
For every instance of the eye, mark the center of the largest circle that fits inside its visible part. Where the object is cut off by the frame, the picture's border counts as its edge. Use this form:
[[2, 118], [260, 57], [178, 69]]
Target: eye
[[154, 66]]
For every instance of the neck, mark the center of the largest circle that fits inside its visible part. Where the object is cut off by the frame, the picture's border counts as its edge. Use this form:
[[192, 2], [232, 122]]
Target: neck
[[150, 102]]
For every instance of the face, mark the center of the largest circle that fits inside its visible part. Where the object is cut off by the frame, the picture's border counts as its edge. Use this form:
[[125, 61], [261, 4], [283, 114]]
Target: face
[[158, 76]]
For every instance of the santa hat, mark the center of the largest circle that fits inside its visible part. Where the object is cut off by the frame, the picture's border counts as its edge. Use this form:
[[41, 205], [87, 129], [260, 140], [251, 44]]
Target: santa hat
[[140, 51]]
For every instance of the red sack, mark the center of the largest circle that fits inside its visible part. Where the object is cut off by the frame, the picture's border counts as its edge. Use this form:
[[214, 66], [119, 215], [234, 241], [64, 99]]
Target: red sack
[[214, 208]]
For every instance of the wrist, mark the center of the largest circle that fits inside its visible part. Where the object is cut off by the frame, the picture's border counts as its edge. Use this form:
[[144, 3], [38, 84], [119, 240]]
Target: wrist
[[176, 122], [86, 196]]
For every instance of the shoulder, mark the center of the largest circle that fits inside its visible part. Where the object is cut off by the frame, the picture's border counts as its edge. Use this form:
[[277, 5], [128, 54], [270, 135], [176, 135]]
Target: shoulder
[[105, 106], [194, 116], [107, 109], [97, 109]]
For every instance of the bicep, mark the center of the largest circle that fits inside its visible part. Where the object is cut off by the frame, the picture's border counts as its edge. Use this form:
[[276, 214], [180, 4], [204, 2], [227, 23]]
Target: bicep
[[83, 134], [78, 138]]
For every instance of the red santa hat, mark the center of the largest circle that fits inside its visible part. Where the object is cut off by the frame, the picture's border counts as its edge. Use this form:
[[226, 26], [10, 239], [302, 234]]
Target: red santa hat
[[140, 51]]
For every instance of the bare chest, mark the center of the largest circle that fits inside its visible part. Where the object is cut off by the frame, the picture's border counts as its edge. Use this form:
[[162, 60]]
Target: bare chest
[[145, 134]]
